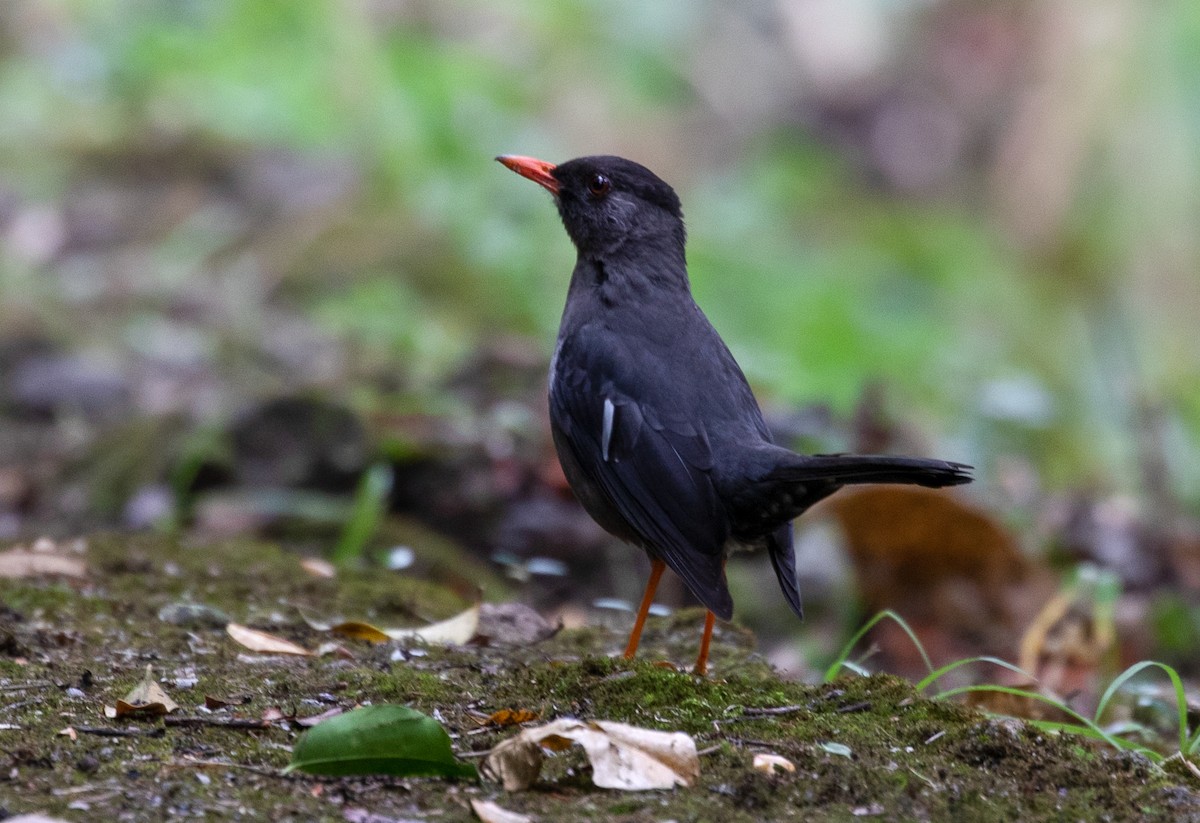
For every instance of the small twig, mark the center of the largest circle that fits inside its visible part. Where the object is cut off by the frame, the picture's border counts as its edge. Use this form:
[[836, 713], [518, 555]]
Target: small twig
[[932, 785], [854, 707], [934, 737], [244, 723], [768, 711]]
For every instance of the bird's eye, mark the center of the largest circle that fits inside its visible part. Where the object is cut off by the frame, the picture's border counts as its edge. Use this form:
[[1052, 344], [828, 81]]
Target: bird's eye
[[598, 185]]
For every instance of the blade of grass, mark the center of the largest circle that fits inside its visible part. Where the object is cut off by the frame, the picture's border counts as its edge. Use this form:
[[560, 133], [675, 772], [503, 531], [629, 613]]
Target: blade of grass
[[935, 675], [840, 661], [370, 502], [1124, 677]]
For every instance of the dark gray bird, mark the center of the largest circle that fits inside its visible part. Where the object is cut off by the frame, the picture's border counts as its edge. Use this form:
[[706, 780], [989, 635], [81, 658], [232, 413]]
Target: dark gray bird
[[656, 428]]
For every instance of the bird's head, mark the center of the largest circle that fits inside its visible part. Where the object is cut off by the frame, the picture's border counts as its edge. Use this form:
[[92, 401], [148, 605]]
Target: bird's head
[[609, 205]]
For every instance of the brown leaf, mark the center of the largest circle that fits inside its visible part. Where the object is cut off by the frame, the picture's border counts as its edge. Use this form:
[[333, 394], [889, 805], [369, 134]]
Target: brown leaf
[[258, 641], [514, 763], [622, 756], [146, 699], [507, 717], [214, 703], [513, 624], [908, 543]]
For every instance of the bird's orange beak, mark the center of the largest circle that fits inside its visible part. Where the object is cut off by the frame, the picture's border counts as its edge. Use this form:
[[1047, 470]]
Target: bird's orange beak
[[539, 171]]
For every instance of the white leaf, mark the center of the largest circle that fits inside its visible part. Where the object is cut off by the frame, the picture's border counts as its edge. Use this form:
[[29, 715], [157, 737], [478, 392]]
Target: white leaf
[[453, 631], [258, 641], [622, 756], [489, 812]]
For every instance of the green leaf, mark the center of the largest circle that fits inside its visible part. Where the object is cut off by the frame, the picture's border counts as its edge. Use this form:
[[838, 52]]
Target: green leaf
[[386, 739]]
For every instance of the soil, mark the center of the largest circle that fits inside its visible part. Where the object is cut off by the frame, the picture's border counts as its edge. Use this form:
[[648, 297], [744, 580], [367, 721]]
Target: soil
[[863, 747]]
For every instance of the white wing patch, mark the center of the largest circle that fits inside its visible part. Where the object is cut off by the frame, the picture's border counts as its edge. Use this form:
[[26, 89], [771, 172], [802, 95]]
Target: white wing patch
[[606, 433]]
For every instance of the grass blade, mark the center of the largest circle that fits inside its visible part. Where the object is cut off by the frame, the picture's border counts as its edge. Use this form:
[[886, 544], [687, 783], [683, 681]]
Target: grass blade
[[840, 662]]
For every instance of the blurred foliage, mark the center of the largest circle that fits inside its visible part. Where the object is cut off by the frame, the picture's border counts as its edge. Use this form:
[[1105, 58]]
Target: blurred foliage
[[989, 206]]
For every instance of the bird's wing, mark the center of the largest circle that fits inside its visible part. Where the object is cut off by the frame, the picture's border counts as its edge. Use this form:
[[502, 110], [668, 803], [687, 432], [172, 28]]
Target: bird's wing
[[652, 465]]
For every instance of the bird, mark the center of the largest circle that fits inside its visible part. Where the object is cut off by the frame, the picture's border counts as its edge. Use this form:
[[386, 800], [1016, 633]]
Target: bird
[[656, 428]]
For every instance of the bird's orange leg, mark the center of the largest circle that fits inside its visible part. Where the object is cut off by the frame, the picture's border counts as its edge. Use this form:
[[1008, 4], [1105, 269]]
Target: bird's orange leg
[[656, 570], [701, 667]]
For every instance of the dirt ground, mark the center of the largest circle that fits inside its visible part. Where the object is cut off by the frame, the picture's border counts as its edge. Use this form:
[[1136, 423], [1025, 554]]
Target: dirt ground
[[863, 747]]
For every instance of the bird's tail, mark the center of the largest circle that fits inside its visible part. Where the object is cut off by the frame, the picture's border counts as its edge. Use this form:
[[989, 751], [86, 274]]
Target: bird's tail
[[846, 470], [795, 482]]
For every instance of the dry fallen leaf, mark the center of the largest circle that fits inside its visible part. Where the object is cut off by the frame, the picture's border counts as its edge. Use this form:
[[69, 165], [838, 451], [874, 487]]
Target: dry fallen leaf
[[622, 756], [312, 720], [318, 567], [514, 624], [19, 562], [455, 631], [146, 699], [334, 650], [772, 764], [489, 812], [262, 642], [505, 717], [356, 630], [214, 703]]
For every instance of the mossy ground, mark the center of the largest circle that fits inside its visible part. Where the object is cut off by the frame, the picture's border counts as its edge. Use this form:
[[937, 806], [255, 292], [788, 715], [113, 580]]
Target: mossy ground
[[68, 649]]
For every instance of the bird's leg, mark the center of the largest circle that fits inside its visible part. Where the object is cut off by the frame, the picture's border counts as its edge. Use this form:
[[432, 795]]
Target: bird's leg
[[701, 667], [656, 569]]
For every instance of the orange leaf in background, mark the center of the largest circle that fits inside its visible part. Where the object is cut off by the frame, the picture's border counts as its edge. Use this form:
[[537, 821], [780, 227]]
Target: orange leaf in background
[[262, 642], [905, 542], [356, 630], [947, 567]]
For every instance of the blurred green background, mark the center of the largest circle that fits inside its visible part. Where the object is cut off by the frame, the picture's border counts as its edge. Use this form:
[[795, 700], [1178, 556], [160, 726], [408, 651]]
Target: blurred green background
[[987, 208]]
